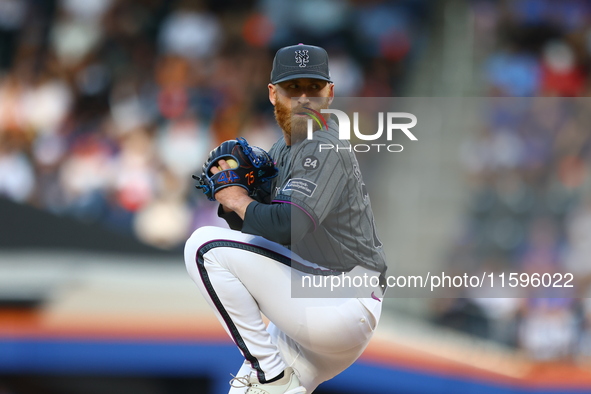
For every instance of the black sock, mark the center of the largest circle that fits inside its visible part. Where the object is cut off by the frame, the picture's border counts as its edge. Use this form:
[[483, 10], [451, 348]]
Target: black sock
[[276, 378]]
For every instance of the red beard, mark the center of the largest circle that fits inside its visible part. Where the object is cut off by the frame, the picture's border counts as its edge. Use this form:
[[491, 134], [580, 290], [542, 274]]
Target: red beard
[[296, 127]]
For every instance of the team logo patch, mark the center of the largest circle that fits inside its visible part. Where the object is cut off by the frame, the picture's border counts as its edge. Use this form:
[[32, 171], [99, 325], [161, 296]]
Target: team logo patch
[[300, 185], [302, 57], [310, 163]]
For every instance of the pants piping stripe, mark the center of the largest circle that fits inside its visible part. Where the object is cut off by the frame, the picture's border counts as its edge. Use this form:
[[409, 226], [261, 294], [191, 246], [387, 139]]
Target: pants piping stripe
[[286, 260]]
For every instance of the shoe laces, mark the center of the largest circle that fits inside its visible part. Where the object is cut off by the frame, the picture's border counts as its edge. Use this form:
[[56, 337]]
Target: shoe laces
[[243, 381]]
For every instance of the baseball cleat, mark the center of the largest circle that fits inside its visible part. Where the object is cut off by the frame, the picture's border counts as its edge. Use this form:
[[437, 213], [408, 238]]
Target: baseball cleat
[[288, 384]]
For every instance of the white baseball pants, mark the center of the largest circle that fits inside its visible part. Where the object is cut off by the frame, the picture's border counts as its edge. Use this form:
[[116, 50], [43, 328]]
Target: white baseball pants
[[242, 275]]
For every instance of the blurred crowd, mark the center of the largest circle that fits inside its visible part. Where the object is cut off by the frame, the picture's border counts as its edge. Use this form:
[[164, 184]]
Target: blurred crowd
[[108, 106], [534, 47], [529, 169]]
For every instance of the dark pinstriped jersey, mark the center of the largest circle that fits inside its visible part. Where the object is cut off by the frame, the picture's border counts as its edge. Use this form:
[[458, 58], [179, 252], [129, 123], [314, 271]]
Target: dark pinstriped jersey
[[327, 185]]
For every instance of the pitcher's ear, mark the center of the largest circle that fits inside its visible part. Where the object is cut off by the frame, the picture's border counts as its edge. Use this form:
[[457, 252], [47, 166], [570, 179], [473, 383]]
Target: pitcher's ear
[[331, 93], [272, 93]]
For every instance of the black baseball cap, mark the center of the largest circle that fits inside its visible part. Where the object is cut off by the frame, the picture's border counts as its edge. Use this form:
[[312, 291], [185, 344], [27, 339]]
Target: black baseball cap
[[300, 61]]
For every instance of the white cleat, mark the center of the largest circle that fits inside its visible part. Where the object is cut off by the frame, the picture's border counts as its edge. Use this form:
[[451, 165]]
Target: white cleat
[[288, 384]]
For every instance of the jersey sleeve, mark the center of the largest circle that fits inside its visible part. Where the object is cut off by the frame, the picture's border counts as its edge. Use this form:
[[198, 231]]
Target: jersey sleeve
[[234, 221], [276, 222], [317, 180]]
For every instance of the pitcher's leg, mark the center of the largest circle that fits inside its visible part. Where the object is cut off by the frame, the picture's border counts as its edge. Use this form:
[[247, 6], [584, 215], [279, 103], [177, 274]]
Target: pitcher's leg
[[242, 275], [232, 302]]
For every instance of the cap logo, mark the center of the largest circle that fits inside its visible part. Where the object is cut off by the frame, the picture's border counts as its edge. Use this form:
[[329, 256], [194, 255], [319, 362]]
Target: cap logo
[[302, 57]]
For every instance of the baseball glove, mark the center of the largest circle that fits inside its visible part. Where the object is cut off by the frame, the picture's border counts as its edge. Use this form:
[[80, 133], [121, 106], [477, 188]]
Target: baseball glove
[[252, 166]]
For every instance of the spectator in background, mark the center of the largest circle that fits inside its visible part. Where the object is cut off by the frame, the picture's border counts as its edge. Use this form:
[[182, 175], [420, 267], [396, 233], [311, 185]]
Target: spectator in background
[[85, 195], [17, 179], [560, 74], [191, 31], [511, 73]]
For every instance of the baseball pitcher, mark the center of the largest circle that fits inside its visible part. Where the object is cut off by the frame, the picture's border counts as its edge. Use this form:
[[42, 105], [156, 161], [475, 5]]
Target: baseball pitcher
[[298, 212]]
